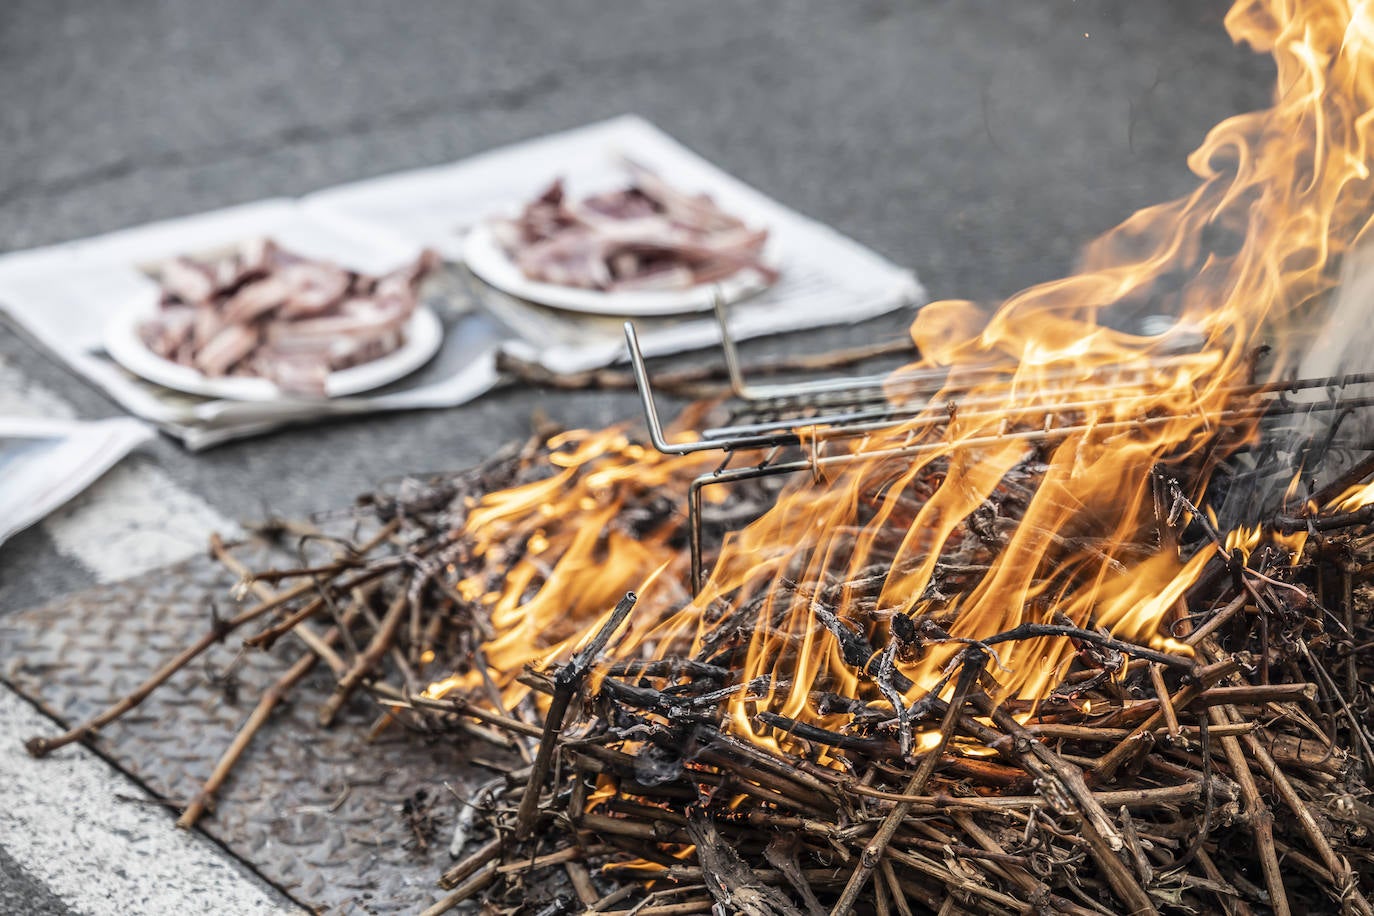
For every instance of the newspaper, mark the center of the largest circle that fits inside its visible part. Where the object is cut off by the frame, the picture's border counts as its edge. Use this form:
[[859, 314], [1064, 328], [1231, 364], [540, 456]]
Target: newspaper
[[44, 463], [62, 295]]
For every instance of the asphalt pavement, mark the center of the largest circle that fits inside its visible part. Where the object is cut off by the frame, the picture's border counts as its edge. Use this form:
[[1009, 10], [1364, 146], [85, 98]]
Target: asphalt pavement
[[979, 142]]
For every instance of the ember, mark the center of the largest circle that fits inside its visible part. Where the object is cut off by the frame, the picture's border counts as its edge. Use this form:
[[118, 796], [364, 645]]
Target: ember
[[995, 651]]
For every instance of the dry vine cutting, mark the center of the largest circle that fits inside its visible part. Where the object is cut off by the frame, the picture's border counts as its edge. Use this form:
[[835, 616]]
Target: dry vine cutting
[[1227, 775], [1059, 618]]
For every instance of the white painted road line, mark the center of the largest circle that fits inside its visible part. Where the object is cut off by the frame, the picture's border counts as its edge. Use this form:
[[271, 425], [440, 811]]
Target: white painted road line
[[62, 821], [20, 397], [132, 520], [61, 818]]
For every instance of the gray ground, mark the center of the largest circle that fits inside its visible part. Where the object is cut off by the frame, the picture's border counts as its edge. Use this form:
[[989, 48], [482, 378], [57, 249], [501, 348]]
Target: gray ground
[[980, 142], [19, 894]]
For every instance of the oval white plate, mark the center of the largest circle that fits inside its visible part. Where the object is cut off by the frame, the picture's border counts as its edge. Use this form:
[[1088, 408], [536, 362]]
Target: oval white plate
[[486, 259], [424, 333]]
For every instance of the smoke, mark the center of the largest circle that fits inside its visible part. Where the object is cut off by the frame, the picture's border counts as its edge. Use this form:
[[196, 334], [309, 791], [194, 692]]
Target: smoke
[[1345, 342], [1327, 431]]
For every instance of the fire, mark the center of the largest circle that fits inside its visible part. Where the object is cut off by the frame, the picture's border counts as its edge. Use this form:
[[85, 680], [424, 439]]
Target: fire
[[1356, 497], [563, 550], [1043, 528]]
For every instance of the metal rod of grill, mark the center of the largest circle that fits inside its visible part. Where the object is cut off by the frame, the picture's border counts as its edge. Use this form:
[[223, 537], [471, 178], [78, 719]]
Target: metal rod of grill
[[787, 430], [853, 418]]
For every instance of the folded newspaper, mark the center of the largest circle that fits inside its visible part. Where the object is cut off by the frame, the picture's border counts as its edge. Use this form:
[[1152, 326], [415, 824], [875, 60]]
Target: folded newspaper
[[64, 295], [44, 463]]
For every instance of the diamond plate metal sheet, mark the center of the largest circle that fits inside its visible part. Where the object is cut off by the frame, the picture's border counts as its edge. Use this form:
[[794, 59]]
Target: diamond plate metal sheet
[[317, 812]]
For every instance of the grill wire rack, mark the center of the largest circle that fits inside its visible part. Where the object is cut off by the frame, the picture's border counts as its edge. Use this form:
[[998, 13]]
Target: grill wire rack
[[816, 425]]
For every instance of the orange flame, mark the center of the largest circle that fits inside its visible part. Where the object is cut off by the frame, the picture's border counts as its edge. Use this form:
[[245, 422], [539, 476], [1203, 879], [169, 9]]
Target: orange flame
[[1064, 528], [1356, 497]]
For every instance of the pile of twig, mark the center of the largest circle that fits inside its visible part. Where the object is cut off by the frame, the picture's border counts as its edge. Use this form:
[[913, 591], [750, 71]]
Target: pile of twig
[[1227, 782], [1229, 779]]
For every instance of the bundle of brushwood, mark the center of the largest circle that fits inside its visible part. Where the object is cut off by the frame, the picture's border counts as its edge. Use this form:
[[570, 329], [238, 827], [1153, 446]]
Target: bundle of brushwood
[[1224, 777]]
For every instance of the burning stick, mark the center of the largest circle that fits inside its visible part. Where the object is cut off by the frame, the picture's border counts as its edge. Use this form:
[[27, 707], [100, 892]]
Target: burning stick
[[566, 683], [1260, 817], [1035, 630], [1104, 841], [734, 884], [971, 666]]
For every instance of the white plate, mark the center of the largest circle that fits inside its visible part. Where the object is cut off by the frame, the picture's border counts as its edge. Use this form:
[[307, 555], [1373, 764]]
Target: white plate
[[424, 333], [485, 257]]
